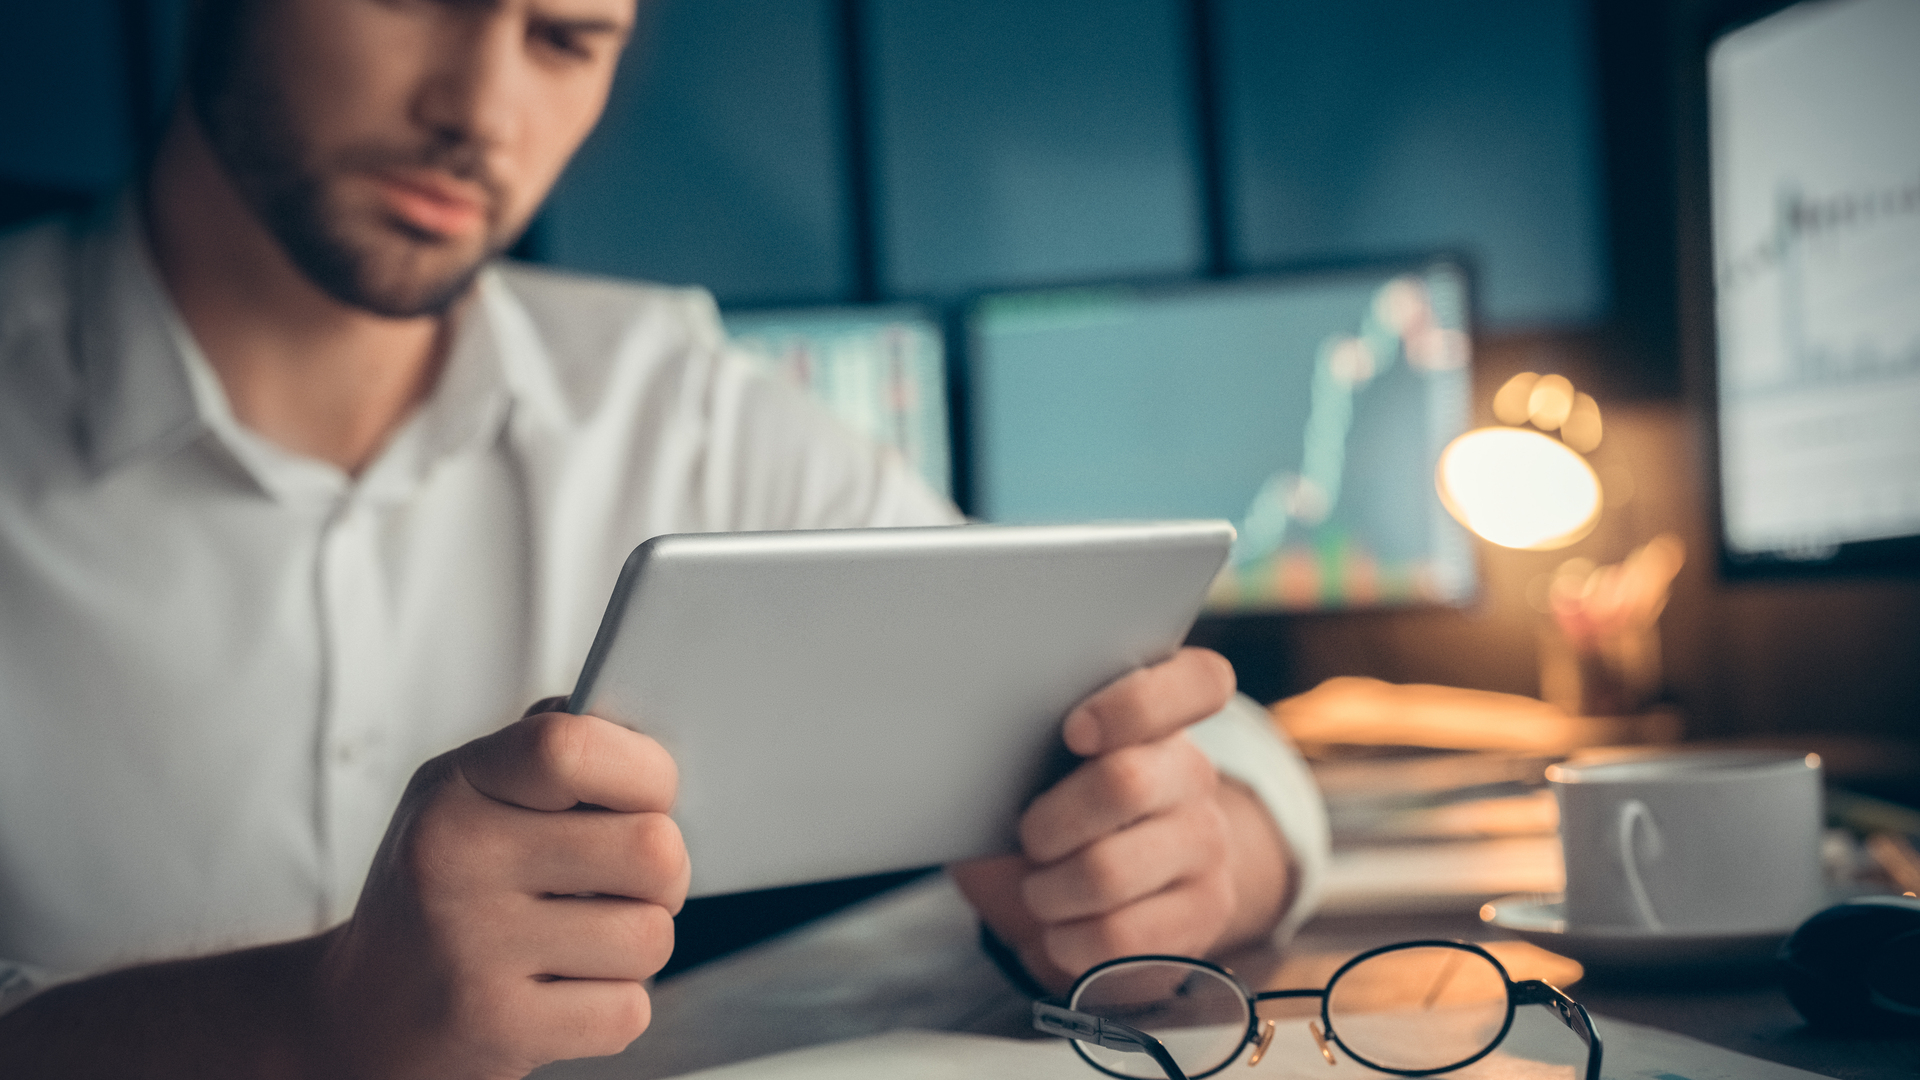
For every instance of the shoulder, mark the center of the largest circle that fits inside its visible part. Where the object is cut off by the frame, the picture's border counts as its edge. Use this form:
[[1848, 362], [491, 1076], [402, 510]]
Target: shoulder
[[584, 320], [643, 375], [609, 348], [35, 261], [36, 303]]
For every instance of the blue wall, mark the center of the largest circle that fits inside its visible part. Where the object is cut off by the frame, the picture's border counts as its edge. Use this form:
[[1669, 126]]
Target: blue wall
[[1377, 127], [722, 159], [1023, 141], [993, 143], [64, 95]]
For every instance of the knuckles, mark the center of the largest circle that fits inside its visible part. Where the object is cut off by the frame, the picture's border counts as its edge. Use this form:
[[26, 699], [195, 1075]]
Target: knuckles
[[1105, 874], [1078, 946], [1220, 671], [660, 851], [562, 742], [653, 942], [1139, 779], [1128, 779]]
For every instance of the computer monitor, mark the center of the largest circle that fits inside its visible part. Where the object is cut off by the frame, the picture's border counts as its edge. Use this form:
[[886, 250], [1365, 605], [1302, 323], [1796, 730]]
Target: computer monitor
[[1309, 409], [881, 370], [1814, 163]]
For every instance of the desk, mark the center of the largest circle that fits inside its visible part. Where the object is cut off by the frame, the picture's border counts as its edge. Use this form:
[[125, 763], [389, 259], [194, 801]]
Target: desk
[[911, 959]]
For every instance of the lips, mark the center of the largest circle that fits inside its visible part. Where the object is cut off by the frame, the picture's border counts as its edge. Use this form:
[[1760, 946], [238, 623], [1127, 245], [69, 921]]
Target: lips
[[433, 202]]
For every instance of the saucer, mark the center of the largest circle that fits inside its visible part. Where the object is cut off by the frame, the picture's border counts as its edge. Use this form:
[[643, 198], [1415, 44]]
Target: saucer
[[1540, 919]]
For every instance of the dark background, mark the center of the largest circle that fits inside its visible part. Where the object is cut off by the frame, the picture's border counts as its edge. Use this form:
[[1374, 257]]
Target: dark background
[[832, 151]]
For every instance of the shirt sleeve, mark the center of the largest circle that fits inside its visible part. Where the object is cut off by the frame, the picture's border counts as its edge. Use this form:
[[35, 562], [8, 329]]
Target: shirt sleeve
[[1243, 743]]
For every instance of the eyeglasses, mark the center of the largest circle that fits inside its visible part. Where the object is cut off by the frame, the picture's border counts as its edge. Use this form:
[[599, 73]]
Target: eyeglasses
[[1415, 1008]]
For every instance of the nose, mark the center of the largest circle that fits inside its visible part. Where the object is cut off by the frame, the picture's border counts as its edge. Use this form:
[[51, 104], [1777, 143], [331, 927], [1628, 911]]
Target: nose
[[467, 97]]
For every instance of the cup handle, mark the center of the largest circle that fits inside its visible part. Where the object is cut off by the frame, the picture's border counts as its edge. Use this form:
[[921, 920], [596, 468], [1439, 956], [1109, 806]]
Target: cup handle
[[1636, 818]]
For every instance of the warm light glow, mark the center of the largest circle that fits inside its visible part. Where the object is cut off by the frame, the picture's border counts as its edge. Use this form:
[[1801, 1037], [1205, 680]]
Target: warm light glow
[[1510, 403], [1550, 402], [1582, 429], [1518, 488]]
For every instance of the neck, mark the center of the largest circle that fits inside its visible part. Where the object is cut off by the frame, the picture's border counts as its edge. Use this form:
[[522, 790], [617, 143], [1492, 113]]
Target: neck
[[314, 375]]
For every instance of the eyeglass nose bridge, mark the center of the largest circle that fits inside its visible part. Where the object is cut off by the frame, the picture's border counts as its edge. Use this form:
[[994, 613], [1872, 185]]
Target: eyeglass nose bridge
[[1266, 1040], [1320, 1040]]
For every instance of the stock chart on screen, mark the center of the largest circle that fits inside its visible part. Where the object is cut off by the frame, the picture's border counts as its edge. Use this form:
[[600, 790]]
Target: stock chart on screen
[[1815, 161], [1309, 409]]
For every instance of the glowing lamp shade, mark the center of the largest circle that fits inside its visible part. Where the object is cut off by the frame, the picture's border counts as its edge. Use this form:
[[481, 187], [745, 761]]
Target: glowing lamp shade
[[1518, 488]]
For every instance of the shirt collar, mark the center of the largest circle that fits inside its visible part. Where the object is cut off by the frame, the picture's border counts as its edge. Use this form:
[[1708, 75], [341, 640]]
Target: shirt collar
[[138, 401], [150, 390]]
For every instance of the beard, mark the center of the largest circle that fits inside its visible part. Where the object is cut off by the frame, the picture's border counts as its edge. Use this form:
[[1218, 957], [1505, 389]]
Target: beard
[[357, 255]]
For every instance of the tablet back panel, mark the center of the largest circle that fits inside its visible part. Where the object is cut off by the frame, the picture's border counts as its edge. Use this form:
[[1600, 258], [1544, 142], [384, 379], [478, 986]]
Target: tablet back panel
[[852, 702]]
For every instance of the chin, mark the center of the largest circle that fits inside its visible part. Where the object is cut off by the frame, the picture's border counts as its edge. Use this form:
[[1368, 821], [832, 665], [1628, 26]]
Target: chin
[[398, 277], [411, 290]]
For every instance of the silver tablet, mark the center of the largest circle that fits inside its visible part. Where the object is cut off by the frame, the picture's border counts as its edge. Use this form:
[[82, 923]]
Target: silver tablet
[[852, 702]]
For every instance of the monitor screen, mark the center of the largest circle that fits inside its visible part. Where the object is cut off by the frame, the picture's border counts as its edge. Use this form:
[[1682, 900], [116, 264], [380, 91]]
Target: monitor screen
[[880, 370], [1815, 186], [1308, 409]]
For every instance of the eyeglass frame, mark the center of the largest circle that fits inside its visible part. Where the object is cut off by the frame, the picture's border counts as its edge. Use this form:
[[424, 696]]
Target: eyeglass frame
[[1079, 1027]]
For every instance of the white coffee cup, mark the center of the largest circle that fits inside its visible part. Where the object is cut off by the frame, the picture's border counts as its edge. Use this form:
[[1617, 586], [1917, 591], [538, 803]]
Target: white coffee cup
[[1691, 842]]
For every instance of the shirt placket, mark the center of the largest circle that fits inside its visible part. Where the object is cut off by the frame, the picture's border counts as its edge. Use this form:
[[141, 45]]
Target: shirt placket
[[357, 784]]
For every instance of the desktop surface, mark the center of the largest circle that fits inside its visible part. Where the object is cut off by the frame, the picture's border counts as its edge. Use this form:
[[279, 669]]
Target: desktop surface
[[911, 960]]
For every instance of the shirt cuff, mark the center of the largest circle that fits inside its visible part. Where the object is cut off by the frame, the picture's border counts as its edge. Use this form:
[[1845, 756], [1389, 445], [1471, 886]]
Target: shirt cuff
[[1243, 743]]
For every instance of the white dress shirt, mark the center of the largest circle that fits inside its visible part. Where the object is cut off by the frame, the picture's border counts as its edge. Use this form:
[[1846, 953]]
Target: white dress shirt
[[221, 661]]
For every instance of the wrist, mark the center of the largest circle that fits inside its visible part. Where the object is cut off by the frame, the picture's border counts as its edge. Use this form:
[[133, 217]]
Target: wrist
[[241, 1014], [1264, 881]]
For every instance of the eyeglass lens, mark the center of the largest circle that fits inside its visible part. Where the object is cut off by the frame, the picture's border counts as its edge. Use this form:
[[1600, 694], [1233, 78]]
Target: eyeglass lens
[[1200, 1016], [1419, 1008]]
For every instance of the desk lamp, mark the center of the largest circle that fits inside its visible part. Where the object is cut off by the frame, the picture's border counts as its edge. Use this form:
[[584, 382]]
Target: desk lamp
[[1514, 485]]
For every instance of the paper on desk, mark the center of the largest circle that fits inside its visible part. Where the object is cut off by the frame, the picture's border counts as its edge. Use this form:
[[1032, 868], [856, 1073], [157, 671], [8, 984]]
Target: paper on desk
[[1633, 1052], [919, 1055], [1457, 876]]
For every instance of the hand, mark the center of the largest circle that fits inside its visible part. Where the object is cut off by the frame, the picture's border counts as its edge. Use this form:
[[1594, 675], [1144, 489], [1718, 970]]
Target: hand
[[1143, 847], [524, 890]]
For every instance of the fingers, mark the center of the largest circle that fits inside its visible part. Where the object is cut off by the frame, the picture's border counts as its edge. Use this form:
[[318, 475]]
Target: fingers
[[515, 1025], [580, 1018], [468, 845], [524, 920], [1184, 920], [638, 856], [1129, 854], [1129, 865], [589, 938], [1150, 703], [556, 761], [1111, 792]]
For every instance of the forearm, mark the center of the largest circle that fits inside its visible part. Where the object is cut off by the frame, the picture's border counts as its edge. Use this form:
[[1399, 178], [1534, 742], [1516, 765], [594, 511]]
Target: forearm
[[242, 1014]]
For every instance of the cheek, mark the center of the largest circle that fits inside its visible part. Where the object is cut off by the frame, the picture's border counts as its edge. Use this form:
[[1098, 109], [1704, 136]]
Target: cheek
[[338, 90], [553, 125]]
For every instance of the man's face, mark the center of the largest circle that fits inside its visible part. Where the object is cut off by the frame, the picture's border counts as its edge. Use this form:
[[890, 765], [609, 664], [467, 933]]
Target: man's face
[[393, 146]]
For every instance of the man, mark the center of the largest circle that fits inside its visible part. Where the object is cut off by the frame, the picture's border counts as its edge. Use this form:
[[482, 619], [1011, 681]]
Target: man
[[298, 489]]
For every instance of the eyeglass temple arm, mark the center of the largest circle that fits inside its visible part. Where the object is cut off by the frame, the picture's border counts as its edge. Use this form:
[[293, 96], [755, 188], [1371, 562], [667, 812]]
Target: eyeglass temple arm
[[1113, 1035], [1570, 1012]]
